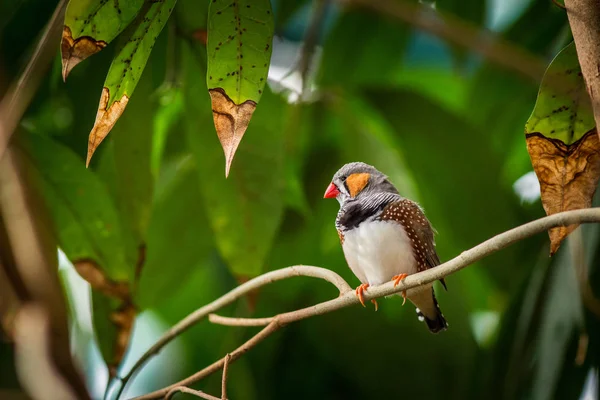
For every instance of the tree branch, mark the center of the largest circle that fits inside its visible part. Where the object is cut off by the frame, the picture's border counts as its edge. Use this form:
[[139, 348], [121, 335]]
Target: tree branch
[[187, 390], [458, 32], [347, 295], [253, 284], [584, 18], [224, 378]]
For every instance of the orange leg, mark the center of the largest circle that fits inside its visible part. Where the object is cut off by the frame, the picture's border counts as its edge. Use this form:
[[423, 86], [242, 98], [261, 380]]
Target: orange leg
[[360, 293], [397, 279]]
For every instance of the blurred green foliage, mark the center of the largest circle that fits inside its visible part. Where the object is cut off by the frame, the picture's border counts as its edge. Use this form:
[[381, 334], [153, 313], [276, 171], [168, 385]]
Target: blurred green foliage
[[452, 139]]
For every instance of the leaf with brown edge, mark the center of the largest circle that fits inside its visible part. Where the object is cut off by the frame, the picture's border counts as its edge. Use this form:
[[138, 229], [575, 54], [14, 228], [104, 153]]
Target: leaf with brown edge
[[74, 51], [562, 141], [568, 176], [105, 120], [135, 46], [239, 45], [90, 25], [231, 121]]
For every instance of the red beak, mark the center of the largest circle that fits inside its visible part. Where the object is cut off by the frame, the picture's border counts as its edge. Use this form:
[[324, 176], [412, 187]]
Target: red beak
[[331, 192]]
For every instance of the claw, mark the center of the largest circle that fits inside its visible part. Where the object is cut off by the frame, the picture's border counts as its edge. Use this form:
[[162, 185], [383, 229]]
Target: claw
[[398, 278], [360, 293], [375, 303], [403, 297]]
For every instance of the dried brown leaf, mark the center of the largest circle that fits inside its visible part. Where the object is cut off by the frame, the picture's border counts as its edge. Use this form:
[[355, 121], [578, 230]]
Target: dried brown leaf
[[568, 176], [105, 120], [231, 121], [122, 317], [75, 51]]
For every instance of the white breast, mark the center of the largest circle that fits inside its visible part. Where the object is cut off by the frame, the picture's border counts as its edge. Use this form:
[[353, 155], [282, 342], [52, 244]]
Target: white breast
[[378, 250]]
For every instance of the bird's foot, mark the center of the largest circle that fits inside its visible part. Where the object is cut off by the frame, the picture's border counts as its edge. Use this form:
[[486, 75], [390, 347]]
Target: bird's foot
[[360, 293], [375, 304], [397, 279]]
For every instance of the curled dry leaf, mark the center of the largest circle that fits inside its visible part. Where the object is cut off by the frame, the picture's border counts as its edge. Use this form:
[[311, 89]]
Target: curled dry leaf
[[105, 120], [75, 51], [562, 141], [231, 121], [568, 176]]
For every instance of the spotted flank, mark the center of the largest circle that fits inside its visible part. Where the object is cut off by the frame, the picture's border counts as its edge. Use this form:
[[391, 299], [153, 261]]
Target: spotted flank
[[435, 325]]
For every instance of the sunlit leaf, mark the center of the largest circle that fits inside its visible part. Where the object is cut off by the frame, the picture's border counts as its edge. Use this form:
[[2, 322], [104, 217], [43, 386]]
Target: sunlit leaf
[[90, 25], [562, 141], [127, 67], [240, 37], [86, 222]]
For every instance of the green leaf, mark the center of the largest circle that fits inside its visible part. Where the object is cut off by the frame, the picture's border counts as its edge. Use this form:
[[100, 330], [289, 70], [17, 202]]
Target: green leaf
[[245, 212], [169, 112], [563, 110], [240, 42], [90, 25], [362, 49], [127, 67], [240, 37], [179, 236], [86, 222]]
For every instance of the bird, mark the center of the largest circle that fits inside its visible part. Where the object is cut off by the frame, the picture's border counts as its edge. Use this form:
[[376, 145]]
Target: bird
[[385, 237]]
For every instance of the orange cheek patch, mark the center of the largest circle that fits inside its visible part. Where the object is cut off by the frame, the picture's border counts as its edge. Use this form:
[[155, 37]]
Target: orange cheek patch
[[357, 182]]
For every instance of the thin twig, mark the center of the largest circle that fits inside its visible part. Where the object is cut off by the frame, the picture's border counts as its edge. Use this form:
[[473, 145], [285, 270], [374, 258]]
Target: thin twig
[[253, 284], [228, 321], [458, 32], [224, 378], [187, 390], [254, 340], [348, 297]]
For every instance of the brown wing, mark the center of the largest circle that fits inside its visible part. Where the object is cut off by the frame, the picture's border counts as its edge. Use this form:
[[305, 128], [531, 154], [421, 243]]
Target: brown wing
[[419, 230]]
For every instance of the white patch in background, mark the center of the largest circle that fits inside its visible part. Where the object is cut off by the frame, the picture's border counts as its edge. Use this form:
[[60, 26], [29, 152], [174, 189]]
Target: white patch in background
[[501, 13], [284, 71], [484, 324], [527, 188], [147, 330], [590, 388]]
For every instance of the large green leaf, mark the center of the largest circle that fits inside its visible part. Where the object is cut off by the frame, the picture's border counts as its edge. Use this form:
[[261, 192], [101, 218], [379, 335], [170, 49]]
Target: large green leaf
[[127, 67], [245, 212], [240, 42], [179, 235], [90, 25], [86, 222]]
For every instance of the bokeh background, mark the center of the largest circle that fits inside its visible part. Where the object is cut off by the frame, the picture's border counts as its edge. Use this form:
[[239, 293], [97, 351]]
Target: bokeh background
[[445, 124]]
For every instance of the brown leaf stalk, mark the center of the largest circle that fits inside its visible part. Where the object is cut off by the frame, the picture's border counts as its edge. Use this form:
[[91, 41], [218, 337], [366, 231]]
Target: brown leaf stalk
[[347, 297]]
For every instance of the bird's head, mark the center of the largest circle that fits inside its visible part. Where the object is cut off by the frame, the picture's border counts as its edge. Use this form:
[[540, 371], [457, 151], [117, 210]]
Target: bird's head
[[355, 180]]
